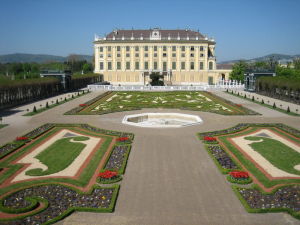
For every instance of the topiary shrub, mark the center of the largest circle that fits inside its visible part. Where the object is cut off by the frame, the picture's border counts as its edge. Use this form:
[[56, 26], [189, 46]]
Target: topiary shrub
[[34, 109], [252, 98], [262, 102], [274, 105], [288, 110], [47, 105]]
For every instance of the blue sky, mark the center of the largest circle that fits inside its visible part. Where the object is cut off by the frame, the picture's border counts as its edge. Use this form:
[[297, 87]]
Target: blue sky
[[241, 28]]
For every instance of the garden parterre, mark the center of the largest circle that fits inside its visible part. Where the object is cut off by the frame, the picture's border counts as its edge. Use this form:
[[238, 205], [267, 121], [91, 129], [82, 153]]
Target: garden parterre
[[189, 100], [58, 178], [270, 154]]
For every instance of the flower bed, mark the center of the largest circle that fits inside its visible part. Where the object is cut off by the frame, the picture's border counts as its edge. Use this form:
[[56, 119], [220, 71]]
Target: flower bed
[[284, 199], [22, 139], [118, 158], [109, 177], [82, 105], [60, 199]]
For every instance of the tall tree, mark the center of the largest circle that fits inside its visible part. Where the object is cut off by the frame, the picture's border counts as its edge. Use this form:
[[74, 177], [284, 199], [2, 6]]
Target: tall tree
[[238, 71]]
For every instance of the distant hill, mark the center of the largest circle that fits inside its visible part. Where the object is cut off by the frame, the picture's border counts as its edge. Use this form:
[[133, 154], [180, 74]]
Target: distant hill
[[38, 58], [277, 57]]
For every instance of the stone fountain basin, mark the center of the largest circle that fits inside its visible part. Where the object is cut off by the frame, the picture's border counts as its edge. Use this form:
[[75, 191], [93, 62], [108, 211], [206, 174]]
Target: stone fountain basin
[[162, 120]]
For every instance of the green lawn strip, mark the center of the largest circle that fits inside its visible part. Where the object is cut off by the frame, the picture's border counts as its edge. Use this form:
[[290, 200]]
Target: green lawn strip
[[260, 210], [3, 125], [285, 134], [178, 100], [251, 167], [266, 105], [83, 180], [277, 153], [34, 199], [58, 156], [40, 110], [222, 170]]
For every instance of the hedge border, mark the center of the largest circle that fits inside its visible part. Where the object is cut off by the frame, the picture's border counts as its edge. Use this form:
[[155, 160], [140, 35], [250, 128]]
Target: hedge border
[[246, 181]]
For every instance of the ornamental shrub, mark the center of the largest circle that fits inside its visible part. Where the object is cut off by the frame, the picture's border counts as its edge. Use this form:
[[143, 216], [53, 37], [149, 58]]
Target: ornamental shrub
[[56, 101], [288, 110], [47, 105], [252, 98], [262, 101], [34, 109], [274, 105]]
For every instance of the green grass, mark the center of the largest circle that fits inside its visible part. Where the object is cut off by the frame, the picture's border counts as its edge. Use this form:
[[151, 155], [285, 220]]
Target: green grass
[[43, 109], [277, 153], [249, 165], [266, 105], [58, 156], [188, 100], [83, 179], [3, 125]]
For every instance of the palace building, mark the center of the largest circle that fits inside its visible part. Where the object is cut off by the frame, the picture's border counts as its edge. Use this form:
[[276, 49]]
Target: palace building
[[183, 57]]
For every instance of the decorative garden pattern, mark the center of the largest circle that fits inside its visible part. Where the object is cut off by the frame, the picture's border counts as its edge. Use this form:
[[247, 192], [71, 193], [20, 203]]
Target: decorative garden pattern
[[268, 155], [52, 171], [190, 100]]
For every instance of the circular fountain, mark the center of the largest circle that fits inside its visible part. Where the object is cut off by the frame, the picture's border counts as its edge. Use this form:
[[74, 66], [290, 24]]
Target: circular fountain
[[161, 120]]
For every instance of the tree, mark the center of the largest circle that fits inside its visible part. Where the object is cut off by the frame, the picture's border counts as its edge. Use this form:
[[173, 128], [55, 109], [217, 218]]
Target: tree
[[155, 79], [87, 67], [238, 71], [296, 63]]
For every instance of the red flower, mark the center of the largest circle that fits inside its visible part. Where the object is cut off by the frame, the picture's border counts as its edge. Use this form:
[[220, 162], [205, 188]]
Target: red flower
[[122, 139], [21, 138], [82, 105], [108, 174], [238, 105], [239, 174], [207, 138]]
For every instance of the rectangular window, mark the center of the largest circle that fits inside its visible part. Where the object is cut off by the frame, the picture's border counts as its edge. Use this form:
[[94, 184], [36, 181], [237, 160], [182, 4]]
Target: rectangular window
[[155, 65], [182, 55], [155, 48], [192, 66], [118, 55], [192, 48], [201, 67], [101, 49], [183, 65], [101, 55], [174, 55], [108, 65], [118, 48], [146, 55], [183, 48], [137, 54], [201, 48], [146, 66], [164, 48], [137, 65], [164, 66], [136, 48], [127, 48], [109, 55], [101, 66], [155, 54], [127, 55], [173, 65], [109, 48], [146, 48], [118, 65], [192, 54], [164, 54], [201, 55], [127, 65], [173, 48]]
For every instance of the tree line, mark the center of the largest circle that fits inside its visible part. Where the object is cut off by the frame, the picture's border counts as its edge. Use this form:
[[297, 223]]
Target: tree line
[[285, 85]]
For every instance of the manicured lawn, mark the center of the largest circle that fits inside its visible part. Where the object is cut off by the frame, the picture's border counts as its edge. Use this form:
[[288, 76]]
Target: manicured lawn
[[58, 156], [277, 153], [189, 100]]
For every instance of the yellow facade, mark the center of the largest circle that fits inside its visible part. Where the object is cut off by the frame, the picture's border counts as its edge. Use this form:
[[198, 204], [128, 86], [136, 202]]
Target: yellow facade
[[130, 60]]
